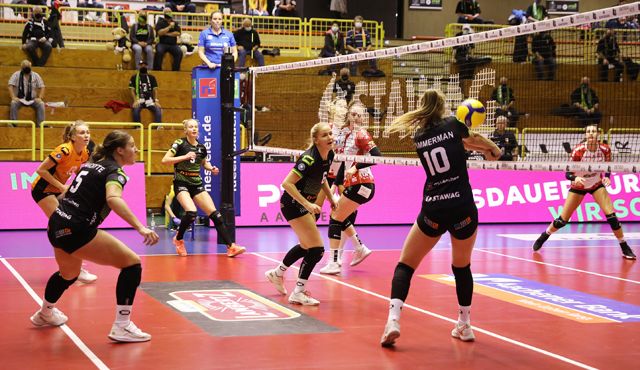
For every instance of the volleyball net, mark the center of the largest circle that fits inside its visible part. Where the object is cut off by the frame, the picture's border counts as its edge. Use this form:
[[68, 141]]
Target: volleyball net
[[546, 79]]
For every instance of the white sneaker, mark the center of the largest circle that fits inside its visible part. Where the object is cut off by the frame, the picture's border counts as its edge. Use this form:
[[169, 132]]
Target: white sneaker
[[277, 281], [391, 333], [86, 277], [359, 255], [56, 318], [331, 268], [129, 333], [463, 332], [303, 298]]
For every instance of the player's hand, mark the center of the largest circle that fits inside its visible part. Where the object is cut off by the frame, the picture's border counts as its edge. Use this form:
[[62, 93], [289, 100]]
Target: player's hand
[[150, 236], [313, 208], [190, 156], [350, 172], [579, 181], [215, 171], [135, 104], [606, 181]]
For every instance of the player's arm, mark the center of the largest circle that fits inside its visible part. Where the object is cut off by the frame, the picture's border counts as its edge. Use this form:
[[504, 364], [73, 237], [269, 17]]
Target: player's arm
[[171, 158], [480, 143], [329, 193], [43, 172]]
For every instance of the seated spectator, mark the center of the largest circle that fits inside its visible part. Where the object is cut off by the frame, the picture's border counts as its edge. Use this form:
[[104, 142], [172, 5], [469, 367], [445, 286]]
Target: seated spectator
[[465, 61], [505, 140], [142, 39], [248, 43], [258, 8], [616, 23], [168, 32], [543, 48], [37, 35], [144, 94], [468, 11], [358, 40], [503, 95], [214, 40], [285, 8], [90, 4], [344, 88], [632, 68], [333, 42], [26, 88], [537, 12], [609, 56], [585, 103], [181, 6]]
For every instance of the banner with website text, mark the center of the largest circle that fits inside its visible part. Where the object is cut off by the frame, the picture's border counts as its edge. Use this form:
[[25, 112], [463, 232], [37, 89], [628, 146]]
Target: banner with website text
[[501, 196]]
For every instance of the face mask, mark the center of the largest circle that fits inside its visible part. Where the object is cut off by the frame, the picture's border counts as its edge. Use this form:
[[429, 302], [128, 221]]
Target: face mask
[[584, 86], [26, 70], [37, 17], [503, 83], [344, 77], [247, 29], [142, 20], [334, 29], [143, 70], [358, 24]]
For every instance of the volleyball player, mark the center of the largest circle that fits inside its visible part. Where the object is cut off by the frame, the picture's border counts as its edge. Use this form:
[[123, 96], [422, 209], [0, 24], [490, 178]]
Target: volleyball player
[[359, 188], [447, 205], [187, 155], [54, 172], [73, 232], [301, 188], [583, 183]]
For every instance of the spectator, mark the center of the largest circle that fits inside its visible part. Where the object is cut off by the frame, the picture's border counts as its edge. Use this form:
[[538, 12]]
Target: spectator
[[358, 40], [214, 40], [90, 4], [585, 103], [144, 94], [505, 140], [142, 38], [468, 11], [632, 68], [333, 42], [26, 88], [503, 95], [181, 6], [609, 56], [285, 8], [258, 8], [537, 12], [465, 61], [521, 42], [544, 54], [344, 87], [37, 35], [168, 31], [248, 43]]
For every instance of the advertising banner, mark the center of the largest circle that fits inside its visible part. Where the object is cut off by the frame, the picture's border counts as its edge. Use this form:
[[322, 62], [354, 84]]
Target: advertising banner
[[426, 4]]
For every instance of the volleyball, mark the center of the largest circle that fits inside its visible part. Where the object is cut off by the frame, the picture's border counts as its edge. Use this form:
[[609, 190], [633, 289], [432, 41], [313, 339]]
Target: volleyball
[[471, 112]]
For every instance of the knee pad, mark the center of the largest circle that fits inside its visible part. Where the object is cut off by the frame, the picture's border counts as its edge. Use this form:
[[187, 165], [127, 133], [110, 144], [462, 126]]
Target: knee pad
[[132, 273], [189, 217], [612, 219], [352, 217], [335, 228], [559, 223], [345, 224], [216, 217], [314, 255]]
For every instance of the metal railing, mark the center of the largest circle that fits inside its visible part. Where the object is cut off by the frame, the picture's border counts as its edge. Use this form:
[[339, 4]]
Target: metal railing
[[33, 137], [153, 128]]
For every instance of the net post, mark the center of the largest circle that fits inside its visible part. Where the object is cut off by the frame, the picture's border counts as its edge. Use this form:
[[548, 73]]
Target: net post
[[227, 144]]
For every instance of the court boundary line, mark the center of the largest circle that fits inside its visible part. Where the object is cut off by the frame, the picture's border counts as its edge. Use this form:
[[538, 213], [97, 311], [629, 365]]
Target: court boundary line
[[558, 266], [438, 316], [65, 328]]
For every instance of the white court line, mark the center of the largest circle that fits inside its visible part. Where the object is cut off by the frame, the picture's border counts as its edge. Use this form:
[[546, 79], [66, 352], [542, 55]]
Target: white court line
[[558, 266], [475, 328], [76, 340]]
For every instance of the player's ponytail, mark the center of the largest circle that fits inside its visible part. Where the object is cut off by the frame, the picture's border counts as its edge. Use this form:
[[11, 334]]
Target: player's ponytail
[[71, 129], [114, 140], [431, 109]]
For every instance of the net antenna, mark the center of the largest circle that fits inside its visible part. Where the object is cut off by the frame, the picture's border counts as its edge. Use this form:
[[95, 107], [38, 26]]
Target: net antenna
[[289, 98]]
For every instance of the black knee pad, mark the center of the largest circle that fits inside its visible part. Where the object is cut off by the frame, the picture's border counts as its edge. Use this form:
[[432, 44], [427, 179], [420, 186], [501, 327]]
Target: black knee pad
[[128, 282], [56, 286], [401, 281], [345, 224], [133, 273], [559, 223], [352, 217], [216, 217], [335, 228], [314, 255], [189, 217], [464, 284], [612, 219]]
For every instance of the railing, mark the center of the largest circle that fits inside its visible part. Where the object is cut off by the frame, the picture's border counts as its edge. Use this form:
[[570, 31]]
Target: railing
[[33, 137], [153, 127], [92, 125], [558, 142]]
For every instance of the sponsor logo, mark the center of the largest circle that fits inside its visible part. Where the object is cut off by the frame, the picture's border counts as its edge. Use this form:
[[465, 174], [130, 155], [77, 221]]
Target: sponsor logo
[[435, 198], [63, 232], [208, 88], [230, 305]]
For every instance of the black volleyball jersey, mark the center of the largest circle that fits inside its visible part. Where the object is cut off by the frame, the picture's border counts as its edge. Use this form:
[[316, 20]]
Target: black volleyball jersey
[[86, 199], [188, 171], [443, 158], [312, 169]]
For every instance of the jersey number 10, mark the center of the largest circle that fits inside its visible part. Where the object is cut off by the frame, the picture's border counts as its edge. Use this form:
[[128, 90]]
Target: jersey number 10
[[437, 160]]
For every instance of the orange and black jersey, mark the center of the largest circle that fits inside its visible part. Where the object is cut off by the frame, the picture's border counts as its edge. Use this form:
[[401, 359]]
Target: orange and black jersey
[[67, 162], [312, 169], [442, 154], [86, 200]]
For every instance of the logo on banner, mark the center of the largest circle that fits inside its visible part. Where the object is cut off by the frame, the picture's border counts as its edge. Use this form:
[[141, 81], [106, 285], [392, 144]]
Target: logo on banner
[[208, 88], [230, 305]]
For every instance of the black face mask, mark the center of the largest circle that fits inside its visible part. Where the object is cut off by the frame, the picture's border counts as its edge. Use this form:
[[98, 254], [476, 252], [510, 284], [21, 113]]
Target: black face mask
[[26, 70], [344, 77], [143, 70], [585, 86], [37, 17]]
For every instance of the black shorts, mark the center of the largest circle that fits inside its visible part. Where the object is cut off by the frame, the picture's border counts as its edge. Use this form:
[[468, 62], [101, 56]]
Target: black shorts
[[461, 222], [290, 208], [67, 235], [361, 193], [193, 190], [39, 195], [585, 192]]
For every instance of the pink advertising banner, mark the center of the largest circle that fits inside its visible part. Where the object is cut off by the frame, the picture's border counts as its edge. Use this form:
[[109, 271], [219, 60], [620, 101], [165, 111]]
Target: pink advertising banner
[[501, 196], [19, 211]]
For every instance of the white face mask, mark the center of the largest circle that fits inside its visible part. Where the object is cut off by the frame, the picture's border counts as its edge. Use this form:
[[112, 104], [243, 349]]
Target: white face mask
[[247, 29], [358, 24], [335, 29]]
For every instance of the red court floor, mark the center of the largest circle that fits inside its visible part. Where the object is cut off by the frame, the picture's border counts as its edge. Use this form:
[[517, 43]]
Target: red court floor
[[530, 329]]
